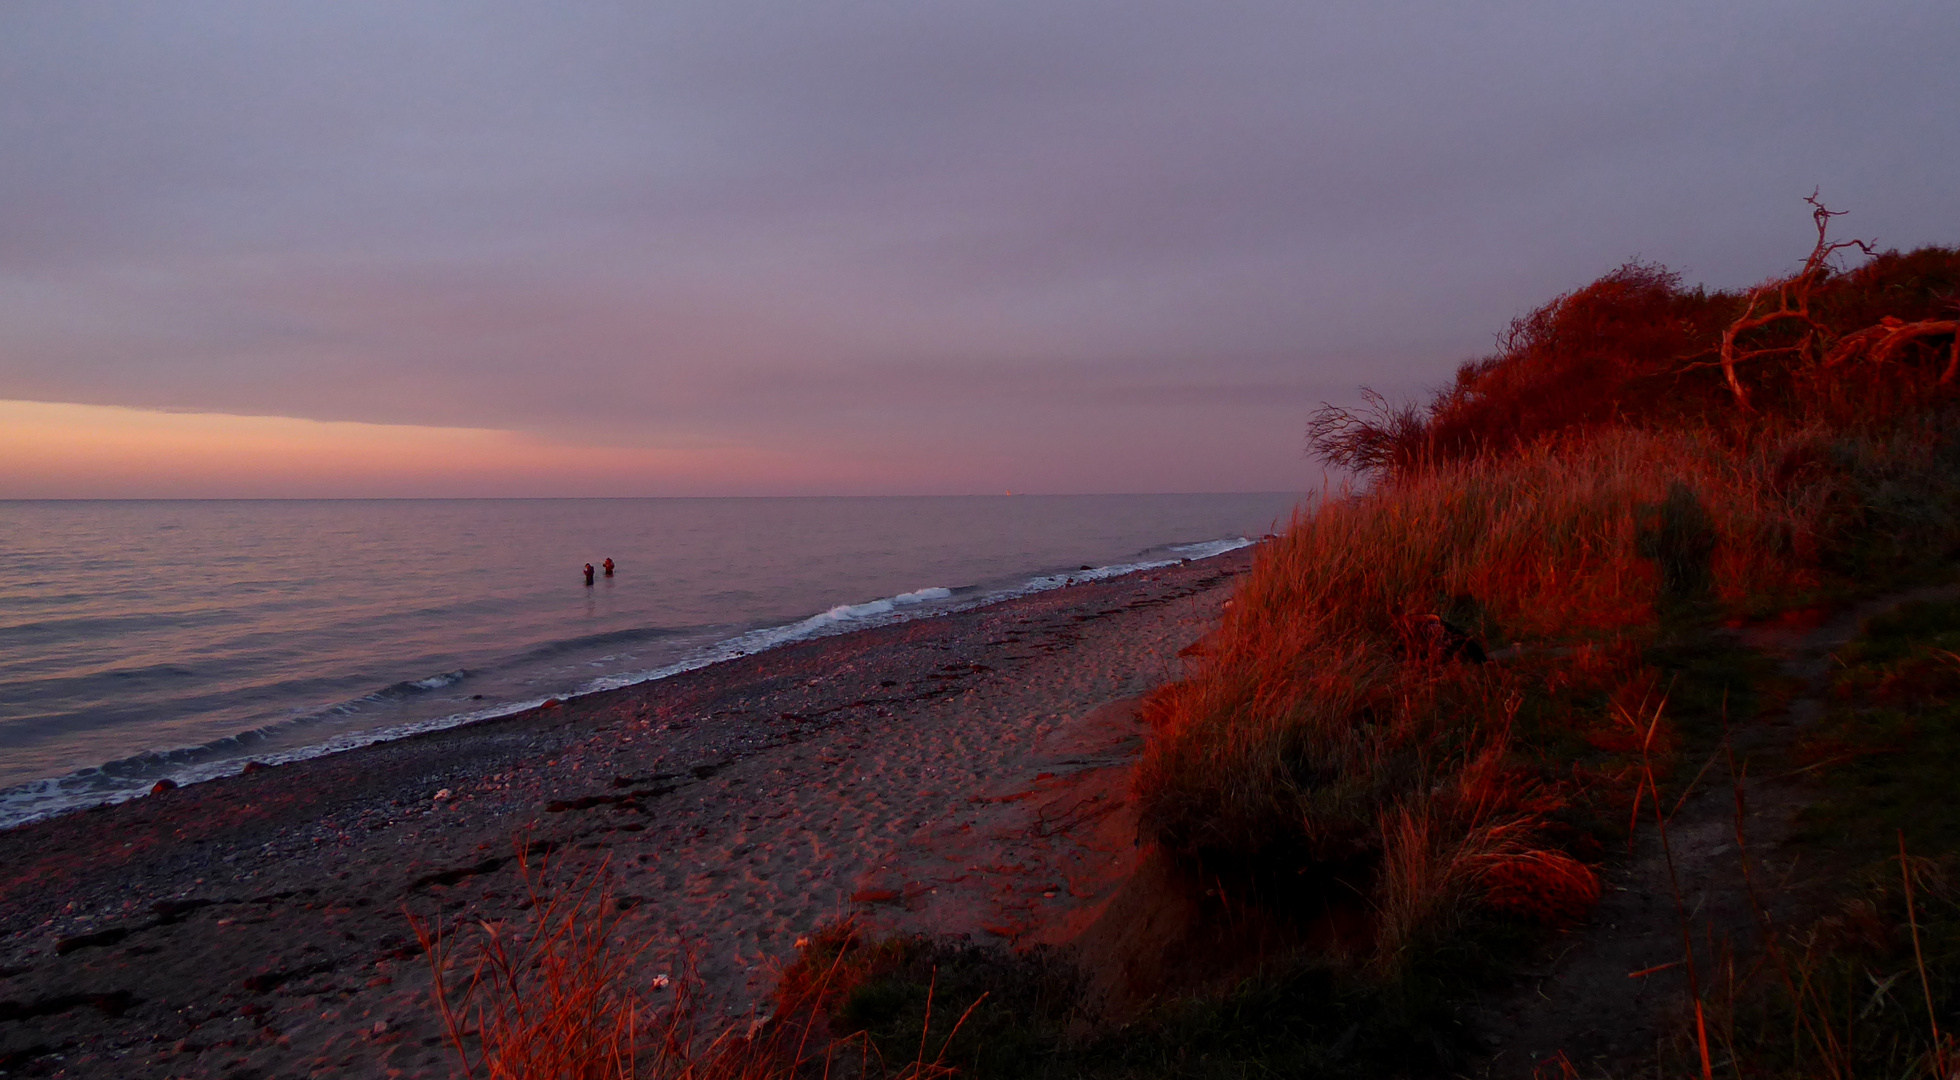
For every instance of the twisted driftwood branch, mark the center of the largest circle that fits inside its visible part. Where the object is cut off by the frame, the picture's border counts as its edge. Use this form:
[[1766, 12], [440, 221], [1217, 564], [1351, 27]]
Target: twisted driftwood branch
[[1884, 341], [1792, 299]]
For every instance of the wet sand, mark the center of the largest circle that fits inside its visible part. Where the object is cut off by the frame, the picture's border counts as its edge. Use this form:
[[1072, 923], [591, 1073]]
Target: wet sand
[[965, 774]]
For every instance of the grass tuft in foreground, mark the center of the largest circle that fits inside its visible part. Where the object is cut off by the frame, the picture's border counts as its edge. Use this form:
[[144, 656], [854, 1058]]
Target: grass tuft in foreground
[[562, 996]]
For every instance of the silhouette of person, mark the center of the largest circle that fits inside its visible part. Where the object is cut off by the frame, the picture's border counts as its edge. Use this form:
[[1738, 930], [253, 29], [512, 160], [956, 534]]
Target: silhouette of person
[[609, 567], [588, 573]]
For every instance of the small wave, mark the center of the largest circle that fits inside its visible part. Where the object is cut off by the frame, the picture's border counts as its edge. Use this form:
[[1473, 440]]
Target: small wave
[[588, 642], [841, 618], [150, 765], [412, 687], [120, 781], [1208, 548], [1184, 553], [437, 682]]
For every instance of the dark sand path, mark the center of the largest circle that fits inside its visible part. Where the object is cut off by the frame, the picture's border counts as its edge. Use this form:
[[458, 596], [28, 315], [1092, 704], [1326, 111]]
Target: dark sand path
[[957, 774]]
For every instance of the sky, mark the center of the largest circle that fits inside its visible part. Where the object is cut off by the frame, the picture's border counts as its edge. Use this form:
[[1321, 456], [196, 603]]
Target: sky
[[717, 247]]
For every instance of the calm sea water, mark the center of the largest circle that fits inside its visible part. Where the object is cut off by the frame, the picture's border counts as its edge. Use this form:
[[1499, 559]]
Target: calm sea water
[[140, 640]]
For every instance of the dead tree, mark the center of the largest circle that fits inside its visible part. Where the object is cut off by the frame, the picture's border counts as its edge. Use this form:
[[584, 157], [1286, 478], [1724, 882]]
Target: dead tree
[[1792, 297], [1884, 342]]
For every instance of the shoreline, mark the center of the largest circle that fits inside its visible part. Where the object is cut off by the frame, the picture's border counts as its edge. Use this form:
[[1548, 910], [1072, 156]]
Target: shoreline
[[840, 619], [255, 922]]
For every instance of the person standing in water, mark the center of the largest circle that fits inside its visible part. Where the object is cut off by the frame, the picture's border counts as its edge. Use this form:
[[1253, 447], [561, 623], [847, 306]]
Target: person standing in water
[[609, 567], [588, 575]]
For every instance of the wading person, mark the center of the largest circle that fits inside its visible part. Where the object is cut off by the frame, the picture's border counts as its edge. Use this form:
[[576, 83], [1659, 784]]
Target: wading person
[[588, 574]]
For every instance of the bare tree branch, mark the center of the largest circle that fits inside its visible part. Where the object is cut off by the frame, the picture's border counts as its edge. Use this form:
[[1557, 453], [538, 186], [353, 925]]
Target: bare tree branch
[[1792, 298], [1904, 334], [1884, 341]]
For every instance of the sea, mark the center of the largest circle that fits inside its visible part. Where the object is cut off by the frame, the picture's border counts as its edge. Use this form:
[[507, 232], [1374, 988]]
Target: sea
[[144, 640]]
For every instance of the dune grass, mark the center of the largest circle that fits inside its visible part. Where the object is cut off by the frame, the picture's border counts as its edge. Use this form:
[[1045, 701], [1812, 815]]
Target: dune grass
[[563, 995], [1322, 730]]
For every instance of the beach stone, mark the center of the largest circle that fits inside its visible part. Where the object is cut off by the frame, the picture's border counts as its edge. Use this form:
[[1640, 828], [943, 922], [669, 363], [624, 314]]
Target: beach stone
[[163, 785]]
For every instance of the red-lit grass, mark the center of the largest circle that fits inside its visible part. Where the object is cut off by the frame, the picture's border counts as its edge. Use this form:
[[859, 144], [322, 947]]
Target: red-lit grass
[[564, 996], [1478, 837], [1315, 738], [1310, 717], [554, 997]]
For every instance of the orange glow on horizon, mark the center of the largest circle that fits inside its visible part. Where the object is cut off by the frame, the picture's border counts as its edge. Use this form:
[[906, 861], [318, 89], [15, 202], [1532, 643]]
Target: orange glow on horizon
[[50, 450]]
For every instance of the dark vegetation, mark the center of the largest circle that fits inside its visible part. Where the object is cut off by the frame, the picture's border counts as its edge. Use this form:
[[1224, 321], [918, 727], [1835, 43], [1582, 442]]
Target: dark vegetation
[[1638, 464], [1871, 986]]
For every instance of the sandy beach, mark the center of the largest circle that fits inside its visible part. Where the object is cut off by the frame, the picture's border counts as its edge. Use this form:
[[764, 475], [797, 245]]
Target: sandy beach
[[965, 774]]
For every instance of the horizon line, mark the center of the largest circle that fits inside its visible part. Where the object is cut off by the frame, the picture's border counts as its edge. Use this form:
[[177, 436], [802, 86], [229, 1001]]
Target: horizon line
[[627, 498]]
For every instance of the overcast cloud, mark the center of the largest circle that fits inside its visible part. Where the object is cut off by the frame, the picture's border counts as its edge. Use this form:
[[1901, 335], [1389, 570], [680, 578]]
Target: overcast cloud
[[1062, 246]]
